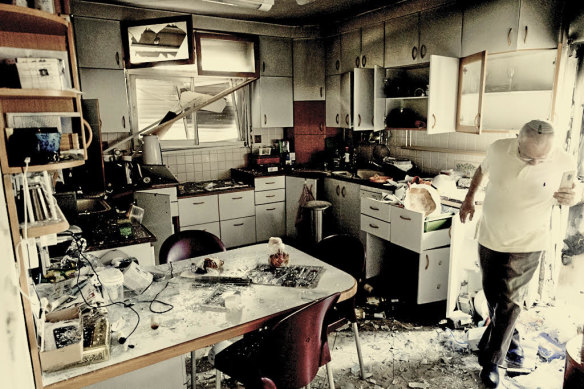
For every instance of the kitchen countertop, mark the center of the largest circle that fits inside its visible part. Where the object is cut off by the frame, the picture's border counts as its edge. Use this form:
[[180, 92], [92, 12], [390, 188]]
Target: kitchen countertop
[[102, 232]]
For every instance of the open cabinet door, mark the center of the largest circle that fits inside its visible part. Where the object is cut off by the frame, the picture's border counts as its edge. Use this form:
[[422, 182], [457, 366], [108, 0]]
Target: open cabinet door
[[443, 82], [157, 216], [471, 89]]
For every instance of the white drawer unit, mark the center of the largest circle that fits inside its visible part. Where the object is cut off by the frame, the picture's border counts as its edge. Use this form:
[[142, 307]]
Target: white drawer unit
[[270, 220], [375, 208], [407, 230], [267, 183], [213, 228], [238, 232], [270, 196], [198, 210], [433, 275], [236, 204], [375, 227]]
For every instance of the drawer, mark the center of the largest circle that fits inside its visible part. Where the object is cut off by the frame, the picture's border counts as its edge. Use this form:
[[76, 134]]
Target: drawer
[[213, 228], [270, 196], [198, 210], [433, 275], [238, 232], [407, 230], [266, 183], [236, 204], [375, 227], [270, 220], [375, 209]]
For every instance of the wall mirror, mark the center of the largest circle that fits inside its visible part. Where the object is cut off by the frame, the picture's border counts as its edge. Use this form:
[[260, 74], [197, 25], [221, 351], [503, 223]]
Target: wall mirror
[[471, 86]]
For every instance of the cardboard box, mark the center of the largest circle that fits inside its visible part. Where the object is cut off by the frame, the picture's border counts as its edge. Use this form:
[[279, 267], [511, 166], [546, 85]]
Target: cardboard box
[[62, 340]]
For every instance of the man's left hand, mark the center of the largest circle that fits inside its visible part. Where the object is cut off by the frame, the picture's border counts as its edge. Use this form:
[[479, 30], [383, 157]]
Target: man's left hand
[[565, 196]]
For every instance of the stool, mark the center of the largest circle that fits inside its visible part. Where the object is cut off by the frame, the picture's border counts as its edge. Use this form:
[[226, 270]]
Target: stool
[[316, 208], [574, 372]]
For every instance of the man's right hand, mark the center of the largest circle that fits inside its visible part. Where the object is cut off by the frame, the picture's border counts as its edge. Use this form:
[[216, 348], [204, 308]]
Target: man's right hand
[[467, 209]]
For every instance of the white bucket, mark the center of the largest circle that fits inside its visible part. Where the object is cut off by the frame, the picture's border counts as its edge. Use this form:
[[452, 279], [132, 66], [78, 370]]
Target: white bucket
[[112, 281], [136, 279]]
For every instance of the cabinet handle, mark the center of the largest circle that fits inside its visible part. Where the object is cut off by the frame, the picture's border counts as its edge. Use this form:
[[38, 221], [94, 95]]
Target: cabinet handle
[[321, 91], [438, 286], [265, 119], [236, 198], [270, 195], [337, 64], [509, 36], [373, 225], [343, 191], [270, 182], [200, 203], [118, 55], [525, 36], [238, 225], [373, 208], [433, 121], [427, 262], [404, 218], [347, 119], [423, 51], [359, 120], [338, 190], [321, 127], [477, 120], [263, 66], [363, 61], [414, 52], [270, 209], [337, 118], [89, 136], [439, 263], [123, 122], [357, 61]]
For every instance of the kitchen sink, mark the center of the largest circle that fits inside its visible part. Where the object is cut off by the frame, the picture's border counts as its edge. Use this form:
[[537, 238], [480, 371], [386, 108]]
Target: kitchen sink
[[365, 174], [343, 173], [92, 206]]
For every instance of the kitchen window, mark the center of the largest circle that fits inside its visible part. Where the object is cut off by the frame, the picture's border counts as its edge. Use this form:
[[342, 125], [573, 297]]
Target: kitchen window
[[155, 95]]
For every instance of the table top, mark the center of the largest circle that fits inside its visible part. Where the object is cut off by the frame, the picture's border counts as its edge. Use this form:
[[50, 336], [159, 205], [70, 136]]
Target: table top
[[191, 325]]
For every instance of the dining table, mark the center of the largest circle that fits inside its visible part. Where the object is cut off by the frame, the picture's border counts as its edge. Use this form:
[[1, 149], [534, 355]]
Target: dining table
[[195, 318]]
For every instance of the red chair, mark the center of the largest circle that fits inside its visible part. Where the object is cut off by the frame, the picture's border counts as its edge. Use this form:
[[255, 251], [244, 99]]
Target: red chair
[[286, 356], [344, 252], [189, 244]]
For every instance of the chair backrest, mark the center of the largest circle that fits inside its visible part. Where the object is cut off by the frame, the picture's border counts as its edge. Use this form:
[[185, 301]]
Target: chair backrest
[[344, 252], [293, 352], [189, 244]]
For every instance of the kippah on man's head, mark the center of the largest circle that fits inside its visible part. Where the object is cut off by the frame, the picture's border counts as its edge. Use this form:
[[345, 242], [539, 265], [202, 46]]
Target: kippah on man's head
[[539, 127]]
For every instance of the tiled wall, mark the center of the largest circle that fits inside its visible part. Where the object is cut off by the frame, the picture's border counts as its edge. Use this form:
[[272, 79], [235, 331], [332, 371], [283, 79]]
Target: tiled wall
[[434, 162]]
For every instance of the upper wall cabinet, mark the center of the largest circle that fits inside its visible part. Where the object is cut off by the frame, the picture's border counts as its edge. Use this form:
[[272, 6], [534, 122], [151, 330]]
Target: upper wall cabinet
[[332, 49], [506, 25], [309, 84], [414, 38], [105, 50], [362, 48], [275, 56], [271, 104]]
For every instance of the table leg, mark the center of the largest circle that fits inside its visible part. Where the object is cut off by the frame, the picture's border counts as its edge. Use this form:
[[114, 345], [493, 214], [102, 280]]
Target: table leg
[[193, 370]]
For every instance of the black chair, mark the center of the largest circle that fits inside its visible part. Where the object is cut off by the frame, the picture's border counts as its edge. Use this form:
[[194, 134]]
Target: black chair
[[285, 356], [189, 244], [346, 253]]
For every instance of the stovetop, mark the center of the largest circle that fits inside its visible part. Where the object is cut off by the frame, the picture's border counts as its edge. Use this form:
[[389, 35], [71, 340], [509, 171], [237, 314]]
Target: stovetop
[[189, 188]]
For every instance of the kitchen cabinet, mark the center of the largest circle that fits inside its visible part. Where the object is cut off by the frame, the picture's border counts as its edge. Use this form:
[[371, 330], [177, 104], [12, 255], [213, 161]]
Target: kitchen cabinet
[[309, 118], [143, 252], [99, 43], [346, 98], [198, 210], [362, 48], [309, 70], [109, 87], [272, 104], [345, 209], [270, 207], [237, 219], [275, 56], [333, 100], [158, 212], [236, 204], [428, 92], [332, 50], [413, 39], [409, 229], [433, 268], [505, 25], [238, 232]]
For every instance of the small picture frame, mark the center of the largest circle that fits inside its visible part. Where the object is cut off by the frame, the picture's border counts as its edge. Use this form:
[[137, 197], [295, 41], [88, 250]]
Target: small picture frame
[[163, 40]]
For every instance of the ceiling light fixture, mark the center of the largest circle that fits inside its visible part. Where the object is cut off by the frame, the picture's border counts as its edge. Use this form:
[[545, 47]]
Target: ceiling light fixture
[[260, 5]]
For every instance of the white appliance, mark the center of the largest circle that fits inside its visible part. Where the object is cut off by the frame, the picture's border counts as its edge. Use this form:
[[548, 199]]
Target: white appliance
[[151, 151], [294, 187]]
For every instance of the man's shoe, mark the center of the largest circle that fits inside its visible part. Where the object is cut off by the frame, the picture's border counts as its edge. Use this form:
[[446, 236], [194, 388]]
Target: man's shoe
[[490, 375], [515, 357]]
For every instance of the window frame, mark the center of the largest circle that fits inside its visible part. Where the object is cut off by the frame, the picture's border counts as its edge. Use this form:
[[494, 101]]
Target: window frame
[[228, 37]]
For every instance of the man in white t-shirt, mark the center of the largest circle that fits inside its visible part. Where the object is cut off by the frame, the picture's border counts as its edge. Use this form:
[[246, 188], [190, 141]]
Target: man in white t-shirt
[[524, 176]]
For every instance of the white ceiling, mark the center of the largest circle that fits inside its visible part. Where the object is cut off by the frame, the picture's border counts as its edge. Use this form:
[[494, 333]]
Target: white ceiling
[[282, 12]]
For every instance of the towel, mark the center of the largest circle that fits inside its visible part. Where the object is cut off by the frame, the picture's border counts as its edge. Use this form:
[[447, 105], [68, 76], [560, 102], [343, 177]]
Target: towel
[[305, 197]]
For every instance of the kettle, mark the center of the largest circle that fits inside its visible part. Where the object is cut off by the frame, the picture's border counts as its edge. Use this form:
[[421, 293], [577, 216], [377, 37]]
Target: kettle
[[151, 151]]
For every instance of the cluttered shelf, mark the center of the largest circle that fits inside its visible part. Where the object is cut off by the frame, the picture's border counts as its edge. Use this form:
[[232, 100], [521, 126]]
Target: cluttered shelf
[[29, 20], [38, 93]]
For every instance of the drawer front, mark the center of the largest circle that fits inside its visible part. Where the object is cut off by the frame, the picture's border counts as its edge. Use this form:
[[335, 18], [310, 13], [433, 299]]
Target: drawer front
[[376, 209], [375, 227], [270, 196], [238, 232], [237, 204], [434, 239], [270, 220], [198, 210], [213, 228], [266, 183], [406, 228], [433, 275]]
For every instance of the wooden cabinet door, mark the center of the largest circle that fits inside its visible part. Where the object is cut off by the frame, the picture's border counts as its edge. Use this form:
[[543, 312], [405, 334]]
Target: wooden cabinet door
[[346, 100], [275, 56], [109, 87], [539, 24], [363, 95], [308, 70], [440, 33], [350, 50], [443, 94], [433, 275], [490, 26], [333, 101], [372, 46], [272, 104], [270, 220], [98, 43], [332, 56], [402, 41]]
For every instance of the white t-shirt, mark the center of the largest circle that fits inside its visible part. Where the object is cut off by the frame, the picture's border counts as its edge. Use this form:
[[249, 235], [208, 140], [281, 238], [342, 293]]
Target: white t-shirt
[[519, 198]]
